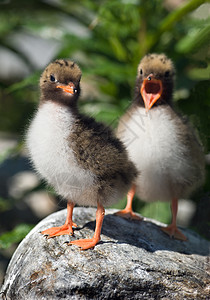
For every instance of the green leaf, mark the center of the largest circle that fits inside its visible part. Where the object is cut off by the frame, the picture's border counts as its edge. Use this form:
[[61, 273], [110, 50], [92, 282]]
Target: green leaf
[[173, 18], [196, 38], [14, 236], [179, 13], [118, 48]]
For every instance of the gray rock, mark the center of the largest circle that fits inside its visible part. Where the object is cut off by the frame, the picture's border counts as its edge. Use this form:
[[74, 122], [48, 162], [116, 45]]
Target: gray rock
[[134, 260]]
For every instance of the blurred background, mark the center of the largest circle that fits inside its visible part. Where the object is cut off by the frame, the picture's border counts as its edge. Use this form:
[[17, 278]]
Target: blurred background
[[107, 38]]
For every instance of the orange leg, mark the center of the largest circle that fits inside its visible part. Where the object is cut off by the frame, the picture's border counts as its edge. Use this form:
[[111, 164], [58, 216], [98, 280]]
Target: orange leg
[[90, 243], [172, 229], [64, 229], [128, 213]]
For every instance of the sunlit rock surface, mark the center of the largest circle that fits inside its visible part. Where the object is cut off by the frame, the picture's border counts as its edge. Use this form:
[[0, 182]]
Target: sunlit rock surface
[[134, 260]]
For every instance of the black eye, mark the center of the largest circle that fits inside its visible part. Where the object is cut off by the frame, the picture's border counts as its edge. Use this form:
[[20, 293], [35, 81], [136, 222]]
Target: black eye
[[52, 78], [141, 72], [167, 73]]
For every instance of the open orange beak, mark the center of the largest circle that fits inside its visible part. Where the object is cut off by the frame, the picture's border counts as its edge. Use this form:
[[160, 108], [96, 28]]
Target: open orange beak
[[70, 88], [151, 91]]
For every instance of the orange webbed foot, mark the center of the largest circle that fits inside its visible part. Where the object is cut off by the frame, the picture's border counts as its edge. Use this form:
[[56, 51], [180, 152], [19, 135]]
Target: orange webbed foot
[[128, 214], [174, 232], [61, 230], [85, 244]]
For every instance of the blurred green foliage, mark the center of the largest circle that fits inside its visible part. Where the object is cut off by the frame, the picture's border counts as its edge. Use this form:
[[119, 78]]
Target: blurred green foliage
[[14, 236], [116, 34]]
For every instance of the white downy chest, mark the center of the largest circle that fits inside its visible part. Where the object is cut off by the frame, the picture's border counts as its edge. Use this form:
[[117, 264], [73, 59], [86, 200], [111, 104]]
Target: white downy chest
[[153, 145], [49, 148]]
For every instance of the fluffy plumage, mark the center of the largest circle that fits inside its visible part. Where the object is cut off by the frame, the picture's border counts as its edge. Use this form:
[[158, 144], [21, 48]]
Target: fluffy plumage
[[161, 144], [79, 157]]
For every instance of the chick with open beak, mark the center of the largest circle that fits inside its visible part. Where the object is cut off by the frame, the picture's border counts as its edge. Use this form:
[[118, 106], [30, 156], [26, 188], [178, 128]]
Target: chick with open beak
[[162, 145]]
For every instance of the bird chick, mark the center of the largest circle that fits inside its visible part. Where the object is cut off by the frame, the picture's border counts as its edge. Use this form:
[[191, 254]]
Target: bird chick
[[162, 144], [81, 158]]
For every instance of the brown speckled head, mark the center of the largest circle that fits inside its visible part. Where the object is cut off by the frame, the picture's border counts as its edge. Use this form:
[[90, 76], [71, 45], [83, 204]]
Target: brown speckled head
[[155, 80], [60, 82]]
